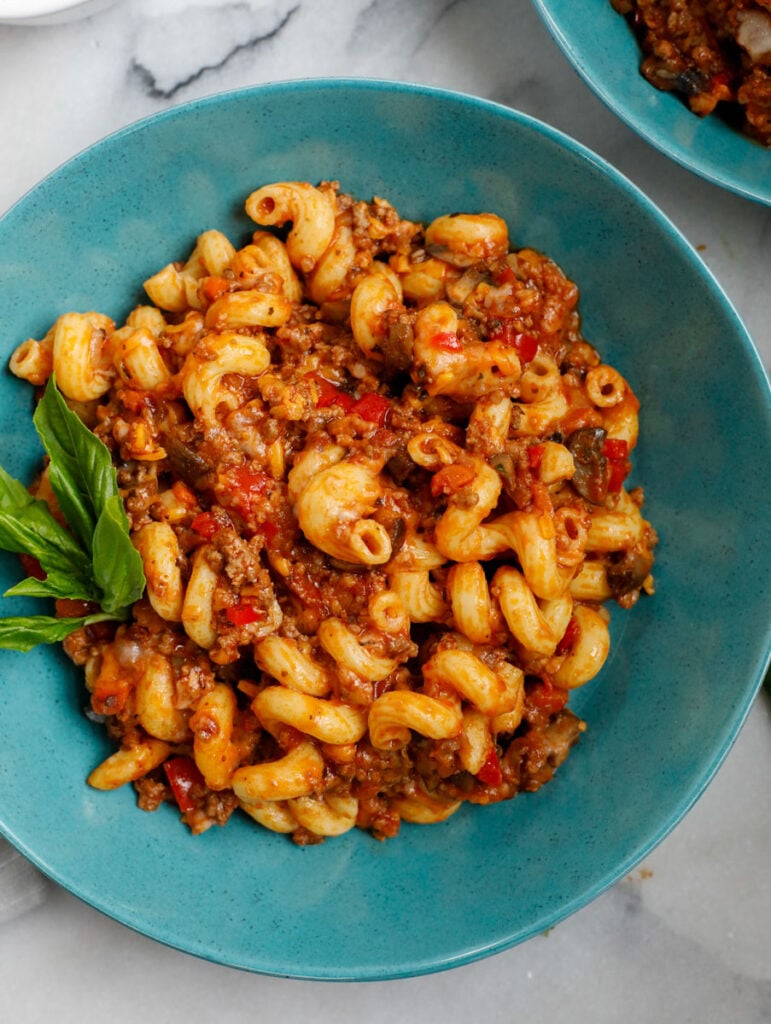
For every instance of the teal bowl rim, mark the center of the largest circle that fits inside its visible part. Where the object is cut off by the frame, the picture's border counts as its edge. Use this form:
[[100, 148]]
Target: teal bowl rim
[[731, 726], [650, 129]]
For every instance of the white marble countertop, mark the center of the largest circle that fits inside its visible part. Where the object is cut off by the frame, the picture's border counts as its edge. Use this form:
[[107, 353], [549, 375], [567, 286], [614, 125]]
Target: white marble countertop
[[687, 937]]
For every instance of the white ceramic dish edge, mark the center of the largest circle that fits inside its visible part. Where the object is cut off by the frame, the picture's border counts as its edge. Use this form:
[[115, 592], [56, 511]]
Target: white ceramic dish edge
[[48, 12]]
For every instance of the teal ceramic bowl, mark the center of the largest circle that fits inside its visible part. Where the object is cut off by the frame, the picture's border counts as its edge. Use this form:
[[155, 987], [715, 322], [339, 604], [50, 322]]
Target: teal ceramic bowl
[[603, 50], [684, 666]]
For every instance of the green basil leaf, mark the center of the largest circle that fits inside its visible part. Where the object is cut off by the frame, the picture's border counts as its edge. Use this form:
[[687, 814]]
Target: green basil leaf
[[94, 560], [27, 525], [56, 584], [23, 632], [118, 568], [82, 475], [75, 511], [13, 494], [32, 530]]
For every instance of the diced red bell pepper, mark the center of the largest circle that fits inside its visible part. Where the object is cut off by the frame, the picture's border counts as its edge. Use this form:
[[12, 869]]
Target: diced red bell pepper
[[619, 470], [534, 455], [569, 637], [245, 489], [447, 341], [615, 448], [183, 776], [205, 525], [450, 479], [616, 451], [244, 613], [547, 697], [331, 394], [490, 773], [372, 407], [506, 276], [249, 481], [269, 530], [525, 344]]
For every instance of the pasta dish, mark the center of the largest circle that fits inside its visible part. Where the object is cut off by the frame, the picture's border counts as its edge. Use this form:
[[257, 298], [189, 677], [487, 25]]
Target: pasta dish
[[378, 483], [716, 54]]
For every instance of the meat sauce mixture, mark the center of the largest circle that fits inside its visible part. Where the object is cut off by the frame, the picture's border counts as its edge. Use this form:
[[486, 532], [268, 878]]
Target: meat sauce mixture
[[218, 484], [715, 53]]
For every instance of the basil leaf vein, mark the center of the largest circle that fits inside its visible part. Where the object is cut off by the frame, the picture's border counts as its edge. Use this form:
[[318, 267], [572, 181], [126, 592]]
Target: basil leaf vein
[[23, 632], [55, 585], [118, 568]]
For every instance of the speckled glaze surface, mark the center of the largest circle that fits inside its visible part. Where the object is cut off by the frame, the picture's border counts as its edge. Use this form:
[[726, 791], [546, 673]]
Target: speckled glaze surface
[[603, 50], [684, 666]]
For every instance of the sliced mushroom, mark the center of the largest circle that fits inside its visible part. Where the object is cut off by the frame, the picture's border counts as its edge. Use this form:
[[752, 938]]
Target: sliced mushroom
[[628, 572], [185, 461], [590, 477], [396, 345]]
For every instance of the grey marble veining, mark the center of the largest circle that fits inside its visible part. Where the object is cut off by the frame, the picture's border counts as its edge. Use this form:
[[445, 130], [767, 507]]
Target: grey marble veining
[[687, 937], [163, 74]]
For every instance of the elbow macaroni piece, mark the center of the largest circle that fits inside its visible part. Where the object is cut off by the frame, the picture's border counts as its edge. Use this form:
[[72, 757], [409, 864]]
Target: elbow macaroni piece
[[490, 691], [197, 614], [215, 753], [82, 358], [129, 764], [340, 643], [421, 598], [393, 715], [616, 529], [155, 701], [138, 359], [534, 539], [266, 260], [476, 741], [421, 808], [333, 511], [158, 545], [352, 461], [325, 720], [328, 814], [298, 773], [375, 295], [252, 308], [589, 652], [311, 211], [445, 364], [473, 612], [460, 533], [476, 236], [329, 280], [33, 361], [207, 367], [283, 658], [526, 620]]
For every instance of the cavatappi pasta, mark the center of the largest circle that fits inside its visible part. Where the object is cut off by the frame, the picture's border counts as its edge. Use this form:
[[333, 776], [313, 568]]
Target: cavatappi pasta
[[377, 480]]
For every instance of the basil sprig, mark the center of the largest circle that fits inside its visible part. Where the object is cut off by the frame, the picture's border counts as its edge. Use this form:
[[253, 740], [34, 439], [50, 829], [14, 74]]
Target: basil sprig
[[94, 560]]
